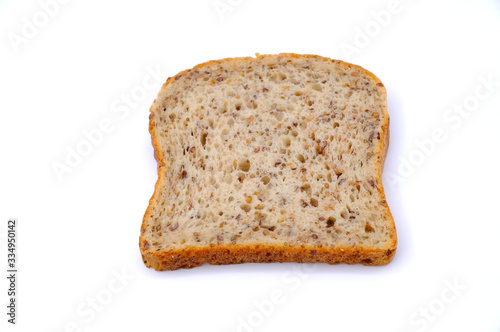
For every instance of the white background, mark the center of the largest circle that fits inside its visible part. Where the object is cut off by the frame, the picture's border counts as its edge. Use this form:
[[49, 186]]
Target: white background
[[76, 234]]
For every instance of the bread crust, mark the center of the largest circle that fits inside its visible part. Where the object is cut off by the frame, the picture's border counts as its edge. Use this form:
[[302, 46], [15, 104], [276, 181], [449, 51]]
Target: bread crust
[[162, 260]]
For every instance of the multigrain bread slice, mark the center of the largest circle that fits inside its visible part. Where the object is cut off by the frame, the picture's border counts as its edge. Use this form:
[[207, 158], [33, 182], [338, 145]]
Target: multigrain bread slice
[[276, 158]]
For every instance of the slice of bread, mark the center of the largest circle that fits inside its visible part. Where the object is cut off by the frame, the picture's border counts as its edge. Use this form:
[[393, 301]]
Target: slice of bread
[[276, 158]]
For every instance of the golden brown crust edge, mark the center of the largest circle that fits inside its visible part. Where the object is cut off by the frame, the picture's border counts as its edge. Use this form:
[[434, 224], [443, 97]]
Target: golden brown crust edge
[[235, 254]]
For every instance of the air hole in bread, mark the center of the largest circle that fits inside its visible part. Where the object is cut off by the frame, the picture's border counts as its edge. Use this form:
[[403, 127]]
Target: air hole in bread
[[317, 87], [329, 177], [203, 139], [279, 115], [369, 228], [244, 165], [306, 187], [241, 177], [245, 207], [287, 142]]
